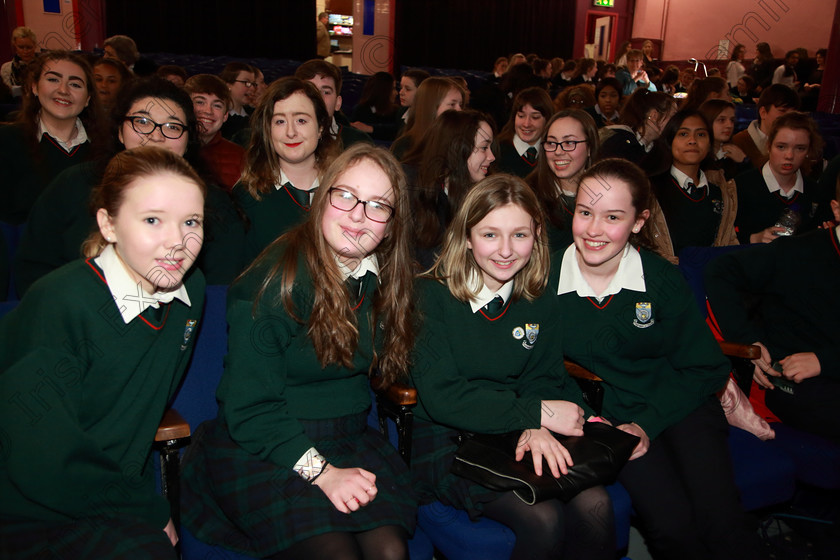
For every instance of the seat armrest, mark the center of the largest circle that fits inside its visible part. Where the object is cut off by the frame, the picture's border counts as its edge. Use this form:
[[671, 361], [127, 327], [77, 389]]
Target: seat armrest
[[576, 370], [736, 350], [172, 427]]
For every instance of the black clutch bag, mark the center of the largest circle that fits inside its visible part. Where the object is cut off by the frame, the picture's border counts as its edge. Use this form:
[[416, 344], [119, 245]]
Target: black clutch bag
[[598, 457]]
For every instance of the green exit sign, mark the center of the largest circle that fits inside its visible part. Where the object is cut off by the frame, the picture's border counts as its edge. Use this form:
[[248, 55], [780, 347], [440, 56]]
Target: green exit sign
[[604, 3]]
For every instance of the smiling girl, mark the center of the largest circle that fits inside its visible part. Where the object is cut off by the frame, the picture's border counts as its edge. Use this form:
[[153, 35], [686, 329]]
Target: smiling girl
[[767, 193], [93, 354], [489, 360], [570, 143], [322, 307], [58, 126], [288, 151], [637, 327], [519, 141]]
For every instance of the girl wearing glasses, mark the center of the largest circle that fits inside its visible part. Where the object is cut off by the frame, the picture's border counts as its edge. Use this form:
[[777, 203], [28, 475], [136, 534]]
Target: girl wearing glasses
[[153, 112], [290, 148], [569, 145], [57, 127], [289, 468], [489, 360]]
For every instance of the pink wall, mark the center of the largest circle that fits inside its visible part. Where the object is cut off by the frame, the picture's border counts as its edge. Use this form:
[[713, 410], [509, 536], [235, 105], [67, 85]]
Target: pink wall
[[693, 29]]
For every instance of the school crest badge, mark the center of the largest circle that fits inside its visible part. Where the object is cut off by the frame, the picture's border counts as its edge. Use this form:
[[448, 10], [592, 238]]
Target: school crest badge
[[188, 332], [644, 314], [518, 333], [532, 330]]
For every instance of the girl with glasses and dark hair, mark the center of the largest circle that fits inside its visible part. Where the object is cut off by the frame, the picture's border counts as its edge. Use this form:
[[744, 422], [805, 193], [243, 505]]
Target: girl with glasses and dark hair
[[323, 307], [153, 112]]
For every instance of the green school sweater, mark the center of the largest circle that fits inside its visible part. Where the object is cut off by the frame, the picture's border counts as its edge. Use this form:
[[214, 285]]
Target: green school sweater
[[692, 222], [487, 374], [511, 162], [655, 370], [275, 213], [27, 174], [795, 280], [83, 394], [272, 375]]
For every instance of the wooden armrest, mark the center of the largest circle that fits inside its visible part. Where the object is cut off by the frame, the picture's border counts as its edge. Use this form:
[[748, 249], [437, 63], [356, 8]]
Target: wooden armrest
[[173, 426], [401, 394], [576, 370], [736, 350]]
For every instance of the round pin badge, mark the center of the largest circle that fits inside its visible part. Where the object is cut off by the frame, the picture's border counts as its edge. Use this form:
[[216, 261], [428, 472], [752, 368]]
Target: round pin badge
[[518, 333]]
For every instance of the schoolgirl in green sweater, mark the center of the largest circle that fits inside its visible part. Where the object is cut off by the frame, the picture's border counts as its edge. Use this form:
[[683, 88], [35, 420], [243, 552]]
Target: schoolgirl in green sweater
[[89, 360], [489, 359]]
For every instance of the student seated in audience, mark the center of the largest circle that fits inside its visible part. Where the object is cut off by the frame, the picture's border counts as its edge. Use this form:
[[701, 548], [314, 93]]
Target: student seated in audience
[[519, 140], [810, 91], [713, 87], [260, 89], [13, 73], [79, 479], [377, 113], [637, 327], [783, 297], [290, 147], [775, 101], [634, 76], [607, 103], [112, 78], [745, 91], [584, 72], [786, 73], [409, 82], [472, 375], [693, 206], [668, 81], [240, 80], [307, 477], [122, 48], [728, 157], [779, 199], [211, 102], [326, 77], [58, 126], [453, 155], [735, 68], [635, 137], [575, 97], [174, 73], [153, 112], [434, 96], [569, 146]]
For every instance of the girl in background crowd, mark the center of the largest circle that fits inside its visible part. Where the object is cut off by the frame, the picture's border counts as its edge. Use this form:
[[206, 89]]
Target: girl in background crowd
[[111, 77], [434, 96], [728, 157], [472, 375], [332, 302], [377, 112], [13, 73], [80, 482], [607, 104], [519, 140], [735, 69], [409, 82]]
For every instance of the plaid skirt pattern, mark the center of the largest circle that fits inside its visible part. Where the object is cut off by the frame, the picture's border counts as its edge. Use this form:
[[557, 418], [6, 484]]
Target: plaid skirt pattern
[[233, 499], [433, 450], [102, 538]]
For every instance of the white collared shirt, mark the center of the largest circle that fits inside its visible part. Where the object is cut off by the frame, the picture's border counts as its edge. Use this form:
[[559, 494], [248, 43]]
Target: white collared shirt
[[614, 117], [129, 295], [758, 137], [629, 276], [285, 179], [774, 186], [357, 268], [242, 113], [334, 128], [522, 146], [683, 179], [80, 138], [485, 295]]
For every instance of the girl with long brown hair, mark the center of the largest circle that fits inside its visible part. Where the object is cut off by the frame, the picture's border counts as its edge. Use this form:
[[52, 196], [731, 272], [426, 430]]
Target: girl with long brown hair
[[320, 310]]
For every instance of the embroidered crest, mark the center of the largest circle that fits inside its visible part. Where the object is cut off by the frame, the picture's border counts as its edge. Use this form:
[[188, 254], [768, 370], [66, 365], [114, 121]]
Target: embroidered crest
[[532, 330], [644, 314], [518, 333], [717, 206], [188, 332]]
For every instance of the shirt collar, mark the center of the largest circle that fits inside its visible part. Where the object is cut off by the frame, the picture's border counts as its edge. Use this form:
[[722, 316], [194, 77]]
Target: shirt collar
[[758, 137], [629, 276], [80, 138], [129, 295], [362, 267], [522, 146], [242, 113], [683, 179], [334, 127], [773, 184], [485, 295], [614, 117], [285, 179]]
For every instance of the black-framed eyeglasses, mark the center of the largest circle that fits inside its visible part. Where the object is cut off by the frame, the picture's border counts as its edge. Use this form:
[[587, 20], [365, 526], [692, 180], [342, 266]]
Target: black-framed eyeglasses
[[145, 125], [346, 201], [247, 83], [565, 145]]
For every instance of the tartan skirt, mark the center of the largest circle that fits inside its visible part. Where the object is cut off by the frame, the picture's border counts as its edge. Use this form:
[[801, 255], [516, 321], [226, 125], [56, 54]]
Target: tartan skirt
[[116, 538], [233, 499], [432, 453]]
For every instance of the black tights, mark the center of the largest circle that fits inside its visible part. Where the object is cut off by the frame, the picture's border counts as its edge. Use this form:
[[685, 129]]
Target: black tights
[[582, 529], [383, 543]]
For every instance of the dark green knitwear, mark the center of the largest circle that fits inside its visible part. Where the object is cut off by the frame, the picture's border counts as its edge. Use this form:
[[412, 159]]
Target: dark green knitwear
[[83, 394], [511, 162], [275, 213], [655, 371]]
